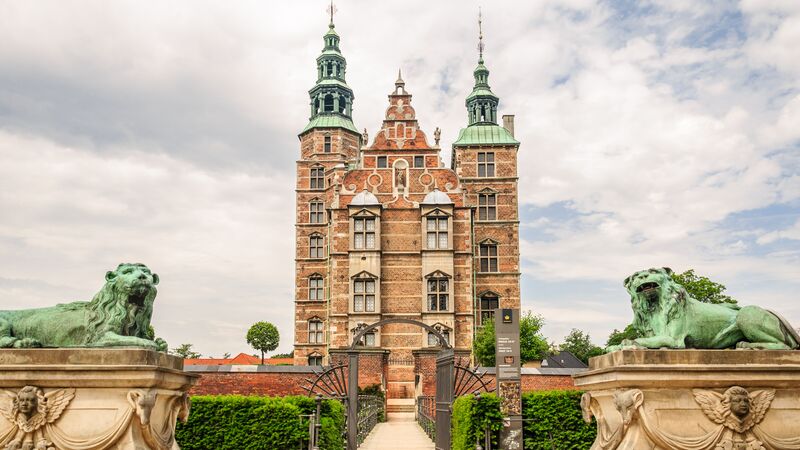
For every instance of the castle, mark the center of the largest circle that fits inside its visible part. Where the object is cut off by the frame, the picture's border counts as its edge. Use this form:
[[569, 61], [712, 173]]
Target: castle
[[385, 229]]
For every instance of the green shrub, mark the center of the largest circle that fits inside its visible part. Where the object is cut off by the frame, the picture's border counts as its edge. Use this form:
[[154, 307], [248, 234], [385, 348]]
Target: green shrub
[[256, 423], [470, 419], [553, 421]]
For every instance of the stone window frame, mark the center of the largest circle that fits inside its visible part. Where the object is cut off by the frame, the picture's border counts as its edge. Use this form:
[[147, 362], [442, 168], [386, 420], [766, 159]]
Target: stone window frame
[[313, 215], [433, 340], [316, 246], [364, 293], [437, 275], [382, 162], [481, 311], [373, 213], [487, 211], [327, 144], [316, 177], [437, 213], [486, 161], [370, 339], [316, 328], [314, 359], [417, 159], [314, 290], [492, 260]]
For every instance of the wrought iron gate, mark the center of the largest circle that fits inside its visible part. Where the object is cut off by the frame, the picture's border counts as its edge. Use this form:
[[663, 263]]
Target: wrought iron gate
[[445, 361]]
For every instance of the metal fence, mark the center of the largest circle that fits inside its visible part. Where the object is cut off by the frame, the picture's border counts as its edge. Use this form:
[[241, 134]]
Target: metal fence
[[426, 415], [370, 411]]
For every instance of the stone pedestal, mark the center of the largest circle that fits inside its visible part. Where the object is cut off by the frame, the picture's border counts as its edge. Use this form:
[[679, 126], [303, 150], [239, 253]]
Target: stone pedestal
[[91, 399], [694, 399]]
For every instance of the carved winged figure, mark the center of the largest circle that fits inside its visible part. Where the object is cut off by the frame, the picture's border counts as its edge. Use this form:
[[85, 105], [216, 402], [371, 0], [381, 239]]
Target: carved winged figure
[[736, 409], [31, 409]]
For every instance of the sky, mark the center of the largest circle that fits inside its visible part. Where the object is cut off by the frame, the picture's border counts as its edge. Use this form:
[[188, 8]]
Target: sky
[[654, 133]]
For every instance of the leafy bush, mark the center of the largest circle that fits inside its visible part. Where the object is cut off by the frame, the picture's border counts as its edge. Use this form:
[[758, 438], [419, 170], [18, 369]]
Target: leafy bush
[[553, 421], [470, 419], [254, 423]]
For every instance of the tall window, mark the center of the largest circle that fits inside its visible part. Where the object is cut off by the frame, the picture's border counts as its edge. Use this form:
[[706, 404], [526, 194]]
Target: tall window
[[315, 249], [438, 294], [487, 207], [485, 164], [364, 295], [363, 232], [326, 146], [488, 304], [382, 162], [315, 360], [315, 289], [315, 333], [436, 229], [316, 211], [488, 257], [317, 178]]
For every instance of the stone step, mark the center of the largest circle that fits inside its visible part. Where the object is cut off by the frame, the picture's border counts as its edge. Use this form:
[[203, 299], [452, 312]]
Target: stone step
[[400, 405]]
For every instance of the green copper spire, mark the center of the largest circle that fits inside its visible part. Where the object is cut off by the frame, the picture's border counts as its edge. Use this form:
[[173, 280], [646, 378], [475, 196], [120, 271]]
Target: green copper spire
[[331, 97], [481, 102]]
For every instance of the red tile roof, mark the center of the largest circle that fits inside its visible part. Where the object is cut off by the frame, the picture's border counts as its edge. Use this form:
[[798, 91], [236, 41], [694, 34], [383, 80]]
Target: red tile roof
[[240, 359]]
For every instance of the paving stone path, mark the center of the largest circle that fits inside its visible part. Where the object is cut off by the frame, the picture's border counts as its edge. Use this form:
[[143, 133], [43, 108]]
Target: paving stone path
[[399, 432]]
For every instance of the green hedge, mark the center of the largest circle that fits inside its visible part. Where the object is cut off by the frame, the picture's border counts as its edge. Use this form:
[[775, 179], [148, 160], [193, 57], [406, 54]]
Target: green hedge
[[256, 423], [553, 421], [470, 419]]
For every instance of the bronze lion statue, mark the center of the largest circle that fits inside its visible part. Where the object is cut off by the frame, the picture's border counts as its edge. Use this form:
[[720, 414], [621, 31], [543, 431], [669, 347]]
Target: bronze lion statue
[[667, 316], [118, 316]]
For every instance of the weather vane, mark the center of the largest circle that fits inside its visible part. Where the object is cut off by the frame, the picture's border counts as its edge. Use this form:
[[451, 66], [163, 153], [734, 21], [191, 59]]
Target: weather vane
[[480, 34], [331, 10]]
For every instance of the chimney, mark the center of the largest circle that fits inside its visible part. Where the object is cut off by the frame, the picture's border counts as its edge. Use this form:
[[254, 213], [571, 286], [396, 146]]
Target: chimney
[[508, 123]]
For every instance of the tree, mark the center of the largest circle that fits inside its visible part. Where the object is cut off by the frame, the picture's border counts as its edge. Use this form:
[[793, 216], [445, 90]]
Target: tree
[[616, 337], [580, 344], [185, 351], [263, 336], [533, 345], [283, 355], [702, 288], [698, 286]]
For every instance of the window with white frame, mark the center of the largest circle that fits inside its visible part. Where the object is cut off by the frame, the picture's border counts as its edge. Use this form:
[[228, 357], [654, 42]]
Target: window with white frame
[[364, 233], [316, 210], [315, 248], [364, 295], [317, 178], [487, 206], [487, 258], [315, 332], [436, 232], [438, 294], [486, 164], [315, 360], [315, 288]]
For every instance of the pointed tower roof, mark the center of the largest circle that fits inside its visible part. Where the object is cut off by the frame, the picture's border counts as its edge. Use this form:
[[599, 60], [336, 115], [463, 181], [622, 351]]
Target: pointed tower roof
[[482, 104], [331, 97]]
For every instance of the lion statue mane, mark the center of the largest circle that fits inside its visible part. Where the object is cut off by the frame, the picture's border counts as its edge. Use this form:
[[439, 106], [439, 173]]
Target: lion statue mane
[[118, 316], [666, 315]]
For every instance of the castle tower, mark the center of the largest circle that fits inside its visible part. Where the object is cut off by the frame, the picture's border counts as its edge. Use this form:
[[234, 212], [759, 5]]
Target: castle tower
[[485, 160], [328, 144]]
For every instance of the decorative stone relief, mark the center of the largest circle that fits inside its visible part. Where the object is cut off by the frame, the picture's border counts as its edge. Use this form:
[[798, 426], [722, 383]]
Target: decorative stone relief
[[34, 416]]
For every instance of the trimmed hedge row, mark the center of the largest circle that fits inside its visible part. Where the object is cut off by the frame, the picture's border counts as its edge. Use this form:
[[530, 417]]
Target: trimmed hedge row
[[255, 423], [552, 421]]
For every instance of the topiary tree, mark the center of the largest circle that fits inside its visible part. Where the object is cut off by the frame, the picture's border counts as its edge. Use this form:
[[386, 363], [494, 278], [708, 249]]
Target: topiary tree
[[263, 336]]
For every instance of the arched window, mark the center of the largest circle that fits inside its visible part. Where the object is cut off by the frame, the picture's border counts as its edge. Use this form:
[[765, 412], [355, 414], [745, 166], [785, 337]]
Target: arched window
[[315, 288], [315, 331], [342, 104], [330, 69], [328, 106], [315, 248]]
